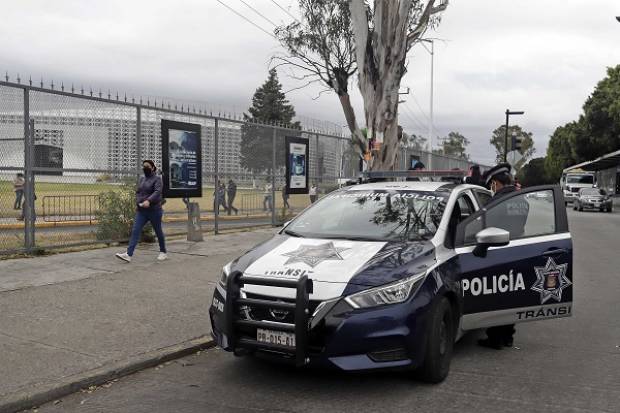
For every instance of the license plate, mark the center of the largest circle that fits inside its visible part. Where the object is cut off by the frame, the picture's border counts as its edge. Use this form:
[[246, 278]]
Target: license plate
[[275, 337]]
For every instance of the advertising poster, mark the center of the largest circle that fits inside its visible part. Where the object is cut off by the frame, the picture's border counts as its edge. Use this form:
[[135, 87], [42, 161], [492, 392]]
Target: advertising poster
[[297, 164], [181, 159]]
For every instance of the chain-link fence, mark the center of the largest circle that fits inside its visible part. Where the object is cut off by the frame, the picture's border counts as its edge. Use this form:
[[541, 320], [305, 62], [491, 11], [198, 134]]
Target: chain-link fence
[[69, 161]]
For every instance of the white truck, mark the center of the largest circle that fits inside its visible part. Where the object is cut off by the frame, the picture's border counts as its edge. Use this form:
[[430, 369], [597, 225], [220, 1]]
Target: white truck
[[573, 181]]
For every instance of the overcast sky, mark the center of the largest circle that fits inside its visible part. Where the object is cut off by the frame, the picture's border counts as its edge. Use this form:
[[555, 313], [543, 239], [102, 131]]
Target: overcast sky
[[543, 57]]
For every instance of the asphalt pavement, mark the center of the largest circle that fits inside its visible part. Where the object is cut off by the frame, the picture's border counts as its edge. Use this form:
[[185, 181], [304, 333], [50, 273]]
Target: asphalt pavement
[[564, 365]]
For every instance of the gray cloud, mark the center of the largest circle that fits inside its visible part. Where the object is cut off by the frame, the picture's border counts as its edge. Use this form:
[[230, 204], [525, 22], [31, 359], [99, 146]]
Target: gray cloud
[[541, 57]]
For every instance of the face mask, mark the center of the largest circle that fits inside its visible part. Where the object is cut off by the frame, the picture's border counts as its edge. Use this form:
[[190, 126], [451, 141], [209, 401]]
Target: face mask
[[147, 171]]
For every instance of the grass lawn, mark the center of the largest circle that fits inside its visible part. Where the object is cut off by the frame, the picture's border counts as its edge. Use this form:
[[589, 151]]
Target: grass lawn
[[247, 200]]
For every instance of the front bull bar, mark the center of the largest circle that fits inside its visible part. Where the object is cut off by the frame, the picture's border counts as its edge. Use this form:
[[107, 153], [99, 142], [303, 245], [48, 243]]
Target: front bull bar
[[300, 308]]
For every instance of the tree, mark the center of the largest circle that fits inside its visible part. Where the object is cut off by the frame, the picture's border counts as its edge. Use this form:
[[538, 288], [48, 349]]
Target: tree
[[595, 133], [269, 106], [601, 118], [527, 143], [455, 145], [413, 141], [384, 34], [560, 153], [533, 173], [336, 38]]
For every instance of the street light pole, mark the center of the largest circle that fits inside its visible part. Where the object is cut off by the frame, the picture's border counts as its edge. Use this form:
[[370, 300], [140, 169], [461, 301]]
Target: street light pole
[[430, 121]]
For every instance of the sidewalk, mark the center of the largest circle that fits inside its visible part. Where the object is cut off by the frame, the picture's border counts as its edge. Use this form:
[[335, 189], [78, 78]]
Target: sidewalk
[[66, 315]]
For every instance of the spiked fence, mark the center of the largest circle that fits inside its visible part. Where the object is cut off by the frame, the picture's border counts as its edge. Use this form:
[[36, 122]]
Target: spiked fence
[[73, 144]]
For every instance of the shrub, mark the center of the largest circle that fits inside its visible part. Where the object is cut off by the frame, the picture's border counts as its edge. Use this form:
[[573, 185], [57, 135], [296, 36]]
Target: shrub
[[116, 213]]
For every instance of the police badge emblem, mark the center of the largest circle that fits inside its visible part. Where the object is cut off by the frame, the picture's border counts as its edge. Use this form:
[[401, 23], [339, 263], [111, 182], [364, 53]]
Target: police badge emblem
[[550, 281]]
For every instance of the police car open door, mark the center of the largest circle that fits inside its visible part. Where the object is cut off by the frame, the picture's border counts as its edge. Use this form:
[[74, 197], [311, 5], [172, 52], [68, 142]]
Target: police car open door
[[524, 276]]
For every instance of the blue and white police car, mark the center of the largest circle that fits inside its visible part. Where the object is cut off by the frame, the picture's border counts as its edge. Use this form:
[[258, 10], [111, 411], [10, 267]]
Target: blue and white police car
[[391, 274]]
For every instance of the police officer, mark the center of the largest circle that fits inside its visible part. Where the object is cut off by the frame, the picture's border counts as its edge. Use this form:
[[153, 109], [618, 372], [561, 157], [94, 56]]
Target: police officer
[[499, 180]]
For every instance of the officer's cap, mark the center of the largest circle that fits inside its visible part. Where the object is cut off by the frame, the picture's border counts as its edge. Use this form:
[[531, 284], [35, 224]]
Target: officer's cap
[[500, 169]]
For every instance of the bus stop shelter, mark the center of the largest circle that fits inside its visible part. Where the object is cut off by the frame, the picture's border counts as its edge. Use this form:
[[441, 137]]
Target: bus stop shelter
[[607, 169]]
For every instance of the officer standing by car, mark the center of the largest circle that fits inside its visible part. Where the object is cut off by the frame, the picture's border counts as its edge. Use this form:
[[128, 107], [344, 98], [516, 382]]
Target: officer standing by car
[[499, 180]]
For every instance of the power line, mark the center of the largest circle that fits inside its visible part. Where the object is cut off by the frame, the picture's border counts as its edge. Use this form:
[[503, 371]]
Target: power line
[[259, 13], [412, 116], [284, 10], [425, 115], [246, 19]]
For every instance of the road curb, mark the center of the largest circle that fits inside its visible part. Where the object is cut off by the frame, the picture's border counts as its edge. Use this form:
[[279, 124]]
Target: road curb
[[43, 393]]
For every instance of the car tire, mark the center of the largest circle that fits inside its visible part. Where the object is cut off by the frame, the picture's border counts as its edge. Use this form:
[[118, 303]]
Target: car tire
[[580, 208], [575, 207], [439, 343]]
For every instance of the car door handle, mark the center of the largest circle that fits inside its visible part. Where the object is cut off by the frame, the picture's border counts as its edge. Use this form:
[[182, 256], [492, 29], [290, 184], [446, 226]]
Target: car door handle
[[555, 251]]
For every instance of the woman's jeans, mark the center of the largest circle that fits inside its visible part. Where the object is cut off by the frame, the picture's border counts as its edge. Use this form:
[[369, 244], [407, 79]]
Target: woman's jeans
[[143, 216]]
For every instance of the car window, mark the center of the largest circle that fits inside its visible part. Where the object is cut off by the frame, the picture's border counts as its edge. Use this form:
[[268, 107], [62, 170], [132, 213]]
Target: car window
[[466, 205], [484, 197], [523, 216], [463, 209], [374, 215]]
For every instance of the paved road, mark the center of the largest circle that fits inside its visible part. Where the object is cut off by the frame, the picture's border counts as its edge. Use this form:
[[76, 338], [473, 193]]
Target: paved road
[[565, 365]]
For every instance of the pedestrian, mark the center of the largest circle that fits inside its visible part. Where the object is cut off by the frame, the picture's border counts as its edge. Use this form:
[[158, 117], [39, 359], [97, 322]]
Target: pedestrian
[[219, 196], [415, 166], [267, 199], [518, 185], [22, 214], [474, 177], [232, 193], [499, 180], [313, 193], [285, 197], [149, 209], [18, 187]]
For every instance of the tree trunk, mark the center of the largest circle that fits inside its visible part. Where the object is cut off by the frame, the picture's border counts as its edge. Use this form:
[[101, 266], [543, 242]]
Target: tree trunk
[[360, 142], [381, 50]]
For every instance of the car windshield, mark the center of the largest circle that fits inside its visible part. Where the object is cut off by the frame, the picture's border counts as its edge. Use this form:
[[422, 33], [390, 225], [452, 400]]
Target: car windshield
[[372, 215], [580, 179], [592, 191]]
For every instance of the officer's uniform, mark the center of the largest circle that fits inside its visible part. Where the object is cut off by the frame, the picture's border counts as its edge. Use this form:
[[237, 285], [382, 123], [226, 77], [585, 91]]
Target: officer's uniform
[[513, 221]]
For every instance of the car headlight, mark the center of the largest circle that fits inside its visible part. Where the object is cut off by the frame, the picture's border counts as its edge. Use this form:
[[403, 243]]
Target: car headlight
[[387, 294], [225, 274]]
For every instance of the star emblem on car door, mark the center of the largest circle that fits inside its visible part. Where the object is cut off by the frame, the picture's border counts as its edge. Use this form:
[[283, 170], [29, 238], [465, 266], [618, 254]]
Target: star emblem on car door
[[550, 281], [313, 255]]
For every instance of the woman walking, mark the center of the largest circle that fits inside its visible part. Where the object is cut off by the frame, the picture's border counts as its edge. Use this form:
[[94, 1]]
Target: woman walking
[[148, 199]]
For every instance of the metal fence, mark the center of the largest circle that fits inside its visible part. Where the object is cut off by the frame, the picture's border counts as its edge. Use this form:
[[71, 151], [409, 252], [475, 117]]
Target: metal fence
[[79, 152]]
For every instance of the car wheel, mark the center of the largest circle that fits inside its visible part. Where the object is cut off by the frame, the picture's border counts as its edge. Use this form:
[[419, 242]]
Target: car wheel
[[580, 208], [439, 343], [575, 207]]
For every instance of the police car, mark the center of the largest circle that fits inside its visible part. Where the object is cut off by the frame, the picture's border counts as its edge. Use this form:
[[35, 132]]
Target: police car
[[391, 274]]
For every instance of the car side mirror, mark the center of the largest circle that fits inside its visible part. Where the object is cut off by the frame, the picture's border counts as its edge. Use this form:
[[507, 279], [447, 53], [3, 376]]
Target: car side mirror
[[490, 237]]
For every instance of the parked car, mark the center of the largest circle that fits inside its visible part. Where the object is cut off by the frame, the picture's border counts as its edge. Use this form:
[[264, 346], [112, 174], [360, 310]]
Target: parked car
[[594, 198], [391, 274]]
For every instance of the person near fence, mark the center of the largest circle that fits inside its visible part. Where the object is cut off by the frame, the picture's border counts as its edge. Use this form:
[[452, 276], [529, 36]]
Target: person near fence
[[232, 193], [219, 196], [285, 197], [149, 209], [313, 192], [267, 200], [22, 215], [18, 187]]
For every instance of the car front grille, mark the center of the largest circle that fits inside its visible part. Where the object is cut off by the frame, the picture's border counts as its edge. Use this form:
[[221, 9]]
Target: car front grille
[[266, 314], [575, 189]]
